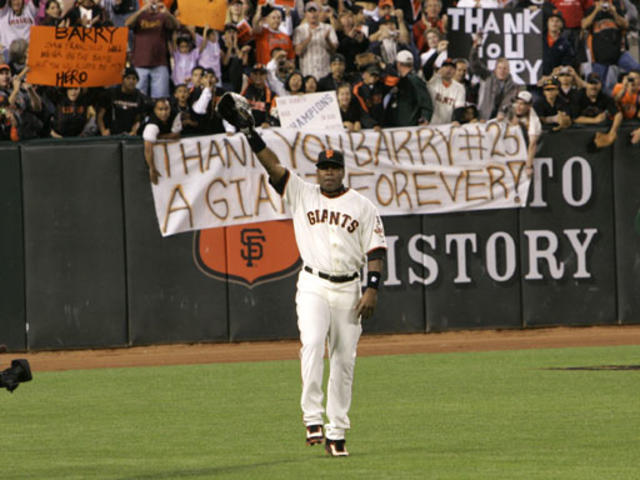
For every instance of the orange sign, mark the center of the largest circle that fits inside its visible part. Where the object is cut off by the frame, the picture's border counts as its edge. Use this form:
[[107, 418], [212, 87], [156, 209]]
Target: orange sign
[[279, 3], [249, 254], [203, 12], [76, 56]]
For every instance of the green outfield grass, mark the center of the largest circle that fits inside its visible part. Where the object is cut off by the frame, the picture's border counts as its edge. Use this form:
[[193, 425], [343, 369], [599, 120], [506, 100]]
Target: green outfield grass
[[497, 415]]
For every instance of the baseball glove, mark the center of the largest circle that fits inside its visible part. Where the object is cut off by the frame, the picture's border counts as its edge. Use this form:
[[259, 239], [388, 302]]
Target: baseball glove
[[236, 110]]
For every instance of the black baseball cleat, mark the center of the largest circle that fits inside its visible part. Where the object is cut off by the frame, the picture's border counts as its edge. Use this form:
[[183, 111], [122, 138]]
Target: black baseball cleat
[[315, 434], [336, 448]]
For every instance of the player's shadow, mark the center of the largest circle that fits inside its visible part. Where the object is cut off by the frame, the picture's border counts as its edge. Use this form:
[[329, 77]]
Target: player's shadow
[[206, 472]]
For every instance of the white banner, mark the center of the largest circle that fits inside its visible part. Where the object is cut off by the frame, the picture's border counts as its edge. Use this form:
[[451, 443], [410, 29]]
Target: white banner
[[215, 181], [311, 111]]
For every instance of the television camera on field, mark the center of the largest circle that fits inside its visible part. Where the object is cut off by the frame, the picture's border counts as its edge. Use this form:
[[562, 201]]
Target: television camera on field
[[18, 372]]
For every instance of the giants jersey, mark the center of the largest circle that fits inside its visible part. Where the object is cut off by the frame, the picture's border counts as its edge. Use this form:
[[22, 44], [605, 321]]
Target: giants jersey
[[334, 234], [445, 98]]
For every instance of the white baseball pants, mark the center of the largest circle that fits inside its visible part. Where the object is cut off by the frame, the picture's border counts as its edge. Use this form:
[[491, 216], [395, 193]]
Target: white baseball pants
[[327, 313]]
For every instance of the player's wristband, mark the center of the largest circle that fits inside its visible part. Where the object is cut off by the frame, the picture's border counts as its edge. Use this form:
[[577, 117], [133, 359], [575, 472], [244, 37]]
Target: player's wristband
[[255, 140], [373, 280]]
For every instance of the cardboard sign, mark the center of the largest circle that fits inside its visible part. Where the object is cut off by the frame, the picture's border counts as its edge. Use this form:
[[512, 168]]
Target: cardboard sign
[[312, 111], [77, 56], [513, 33], [278, 3], [203, 12]]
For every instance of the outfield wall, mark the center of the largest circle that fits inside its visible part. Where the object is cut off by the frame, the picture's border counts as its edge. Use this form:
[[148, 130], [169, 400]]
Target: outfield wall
[[84, 264]]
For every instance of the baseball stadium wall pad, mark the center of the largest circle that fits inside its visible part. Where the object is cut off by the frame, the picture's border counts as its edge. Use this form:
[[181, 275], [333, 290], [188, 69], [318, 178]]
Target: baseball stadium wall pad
[[84, 264]]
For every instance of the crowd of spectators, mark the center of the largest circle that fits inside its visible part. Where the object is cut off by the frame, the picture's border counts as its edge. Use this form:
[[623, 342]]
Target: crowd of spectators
[[388, 62]]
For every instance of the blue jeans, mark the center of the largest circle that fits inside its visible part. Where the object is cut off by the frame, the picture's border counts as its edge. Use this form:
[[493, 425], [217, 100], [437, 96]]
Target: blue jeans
[[626, 62], [154, 81]]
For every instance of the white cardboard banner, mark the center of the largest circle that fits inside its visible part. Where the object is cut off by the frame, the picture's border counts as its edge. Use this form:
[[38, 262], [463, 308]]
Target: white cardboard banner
[[310, 112], [215, 181]]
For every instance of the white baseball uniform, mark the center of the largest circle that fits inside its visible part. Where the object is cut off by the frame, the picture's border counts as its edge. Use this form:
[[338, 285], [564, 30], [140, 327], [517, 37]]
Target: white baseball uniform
[[334, 236], [446, 97]]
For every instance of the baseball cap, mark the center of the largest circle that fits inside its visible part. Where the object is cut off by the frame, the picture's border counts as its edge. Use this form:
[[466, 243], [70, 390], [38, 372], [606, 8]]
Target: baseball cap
[[311, 5], [556, 13], [389, 19], [448, 63], [404, 56], [130, 71], [259, 67], [383, 3], [525, 96], [373, 69], [330, 157], [338, 57], [549, 83], [4, 66], [593, 78]]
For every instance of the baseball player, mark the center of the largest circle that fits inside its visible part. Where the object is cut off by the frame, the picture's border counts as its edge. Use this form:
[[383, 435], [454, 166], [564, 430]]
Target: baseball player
[[336, 229]]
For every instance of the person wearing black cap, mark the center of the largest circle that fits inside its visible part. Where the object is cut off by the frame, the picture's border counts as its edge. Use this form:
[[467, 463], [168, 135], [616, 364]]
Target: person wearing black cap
[[336, 229], [331, 81], [260, 96], [121, 108], [594, 107], [556, 49], [552, 110], [370, 92]]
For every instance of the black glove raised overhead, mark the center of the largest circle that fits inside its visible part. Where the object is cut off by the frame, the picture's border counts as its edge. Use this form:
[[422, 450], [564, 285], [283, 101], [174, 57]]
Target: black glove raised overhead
[[236, 110]]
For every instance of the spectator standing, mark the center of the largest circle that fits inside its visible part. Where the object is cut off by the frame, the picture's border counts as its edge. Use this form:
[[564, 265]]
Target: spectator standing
[[234, 59], [53, 15], [595, 107], [627, 95], [525, 116], [556, 49], [71, 117], [350, 111], [552, 109], [163, 124], [185, 57], [410, 103], [388, 43], [569, 82], [497, 89], [369, 93], [16, 19], [260, 97], [180, 104], [268, 34], [278, 70], [152, 26], [446, 94], [572, 12], [209, 50], [294, 84], [310, 84], [314, 43], [606, 24], [122, 107], [204, 108], [351, 39], [23, 101], [88, 14], [431, 17], [331, 81]]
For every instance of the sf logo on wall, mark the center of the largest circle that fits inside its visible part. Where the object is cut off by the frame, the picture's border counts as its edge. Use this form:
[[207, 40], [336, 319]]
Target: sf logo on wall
[[252, 239], [248, 254]]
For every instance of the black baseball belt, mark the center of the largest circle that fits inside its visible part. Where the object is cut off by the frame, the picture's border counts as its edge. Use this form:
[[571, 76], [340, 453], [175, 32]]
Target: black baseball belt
[[331, 278]]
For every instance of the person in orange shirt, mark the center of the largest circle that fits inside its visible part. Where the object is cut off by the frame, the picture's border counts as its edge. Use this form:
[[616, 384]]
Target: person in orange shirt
[[627, 94], [268, 34]]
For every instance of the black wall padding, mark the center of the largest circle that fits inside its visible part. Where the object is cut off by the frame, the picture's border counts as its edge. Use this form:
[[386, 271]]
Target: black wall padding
[[169, 298], [12, 301], [626, 169], [74, 246], [478, 284], [579, 197]]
